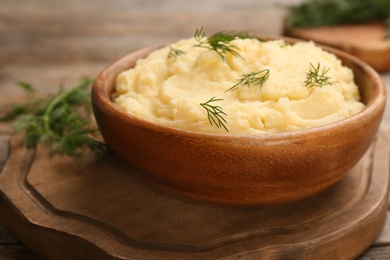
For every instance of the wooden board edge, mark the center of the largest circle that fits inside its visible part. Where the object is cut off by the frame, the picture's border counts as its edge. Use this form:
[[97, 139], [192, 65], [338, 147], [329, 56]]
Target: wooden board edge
[[18, 223]]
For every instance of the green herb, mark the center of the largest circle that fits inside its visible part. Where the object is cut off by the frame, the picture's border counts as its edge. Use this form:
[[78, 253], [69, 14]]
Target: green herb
[[215, 113], [254, 78], [173, 53], [61, 121], [220, 42], [284, 44], [315, 78], [387, 35], [316, 13], [26, 86]]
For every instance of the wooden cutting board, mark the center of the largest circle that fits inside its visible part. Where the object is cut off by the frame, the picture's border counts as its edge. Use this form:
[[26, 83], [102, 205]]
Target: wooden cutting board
[[365, 41], [94, 209]]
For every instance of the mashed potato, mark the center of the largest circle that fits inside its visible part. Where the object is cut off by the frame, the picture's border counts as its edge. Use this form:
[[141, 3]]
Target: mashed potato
[[169, 91]]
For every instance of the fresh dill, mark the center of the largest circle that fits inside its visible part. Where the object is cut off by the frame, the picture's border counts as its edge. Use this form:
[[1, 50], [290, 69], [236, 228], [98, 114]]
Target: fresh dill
[[215, 113], [220, 42], [316, 13], [173, 53], [26, 86], [317, 78], [284, 44], [62, 121], [253, 78]]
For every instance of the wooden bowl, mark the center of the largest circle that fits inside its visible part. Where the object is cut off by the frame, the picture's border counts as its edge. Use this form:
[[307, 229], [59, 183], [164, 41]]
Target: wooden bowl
[[239, 170]]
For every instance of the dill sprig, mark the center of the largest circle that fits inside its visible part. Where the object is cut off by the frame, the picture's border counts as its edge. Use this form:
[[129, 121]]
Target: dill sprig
[[173, 53], [220, 42], [316, 13], [62, 121], [317, 78], [253, 78], [215, 113]]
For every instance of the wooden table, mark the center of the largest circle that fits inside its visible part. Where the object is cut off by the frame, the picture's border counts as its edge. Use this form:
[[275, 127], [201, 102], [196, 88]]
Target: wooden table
[[51, 42]]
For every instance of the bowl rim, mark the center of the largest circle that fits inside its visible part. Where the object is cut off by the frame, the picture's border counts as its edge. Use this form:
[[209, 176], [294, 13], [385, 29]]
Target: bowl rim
[[102, 100]]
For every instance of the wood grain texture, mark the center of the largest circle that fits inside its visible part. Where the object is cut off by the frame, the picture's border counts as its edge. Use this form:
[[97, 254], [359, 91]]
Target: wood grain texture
[[101, 31], [16, 252], [48, 43], [75, 211], [377, 253], [6, 237], [365, 41], [44, 50]]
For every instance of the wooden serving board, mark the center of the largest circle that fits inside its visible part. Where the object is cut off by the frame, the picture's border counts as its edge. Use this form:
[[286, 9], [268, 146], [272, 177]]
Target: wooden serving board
[[365, 41], [94, 209]]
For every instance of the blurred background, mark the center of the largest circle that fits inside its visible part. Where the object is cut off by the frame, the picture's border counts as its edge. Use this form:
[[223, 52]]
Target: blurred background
[[48, 42]]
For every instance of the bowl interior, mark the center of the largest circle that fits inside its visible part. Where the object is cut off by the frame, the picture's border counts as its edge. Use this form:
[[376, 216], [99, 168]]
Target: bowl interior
[[368, 80], [243, 169]]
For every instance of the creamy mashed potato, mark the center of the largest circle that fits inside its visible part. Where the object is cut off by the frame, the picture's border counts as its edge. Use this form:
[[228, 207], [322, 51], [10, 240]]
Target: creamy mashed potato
[[168, 91]]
